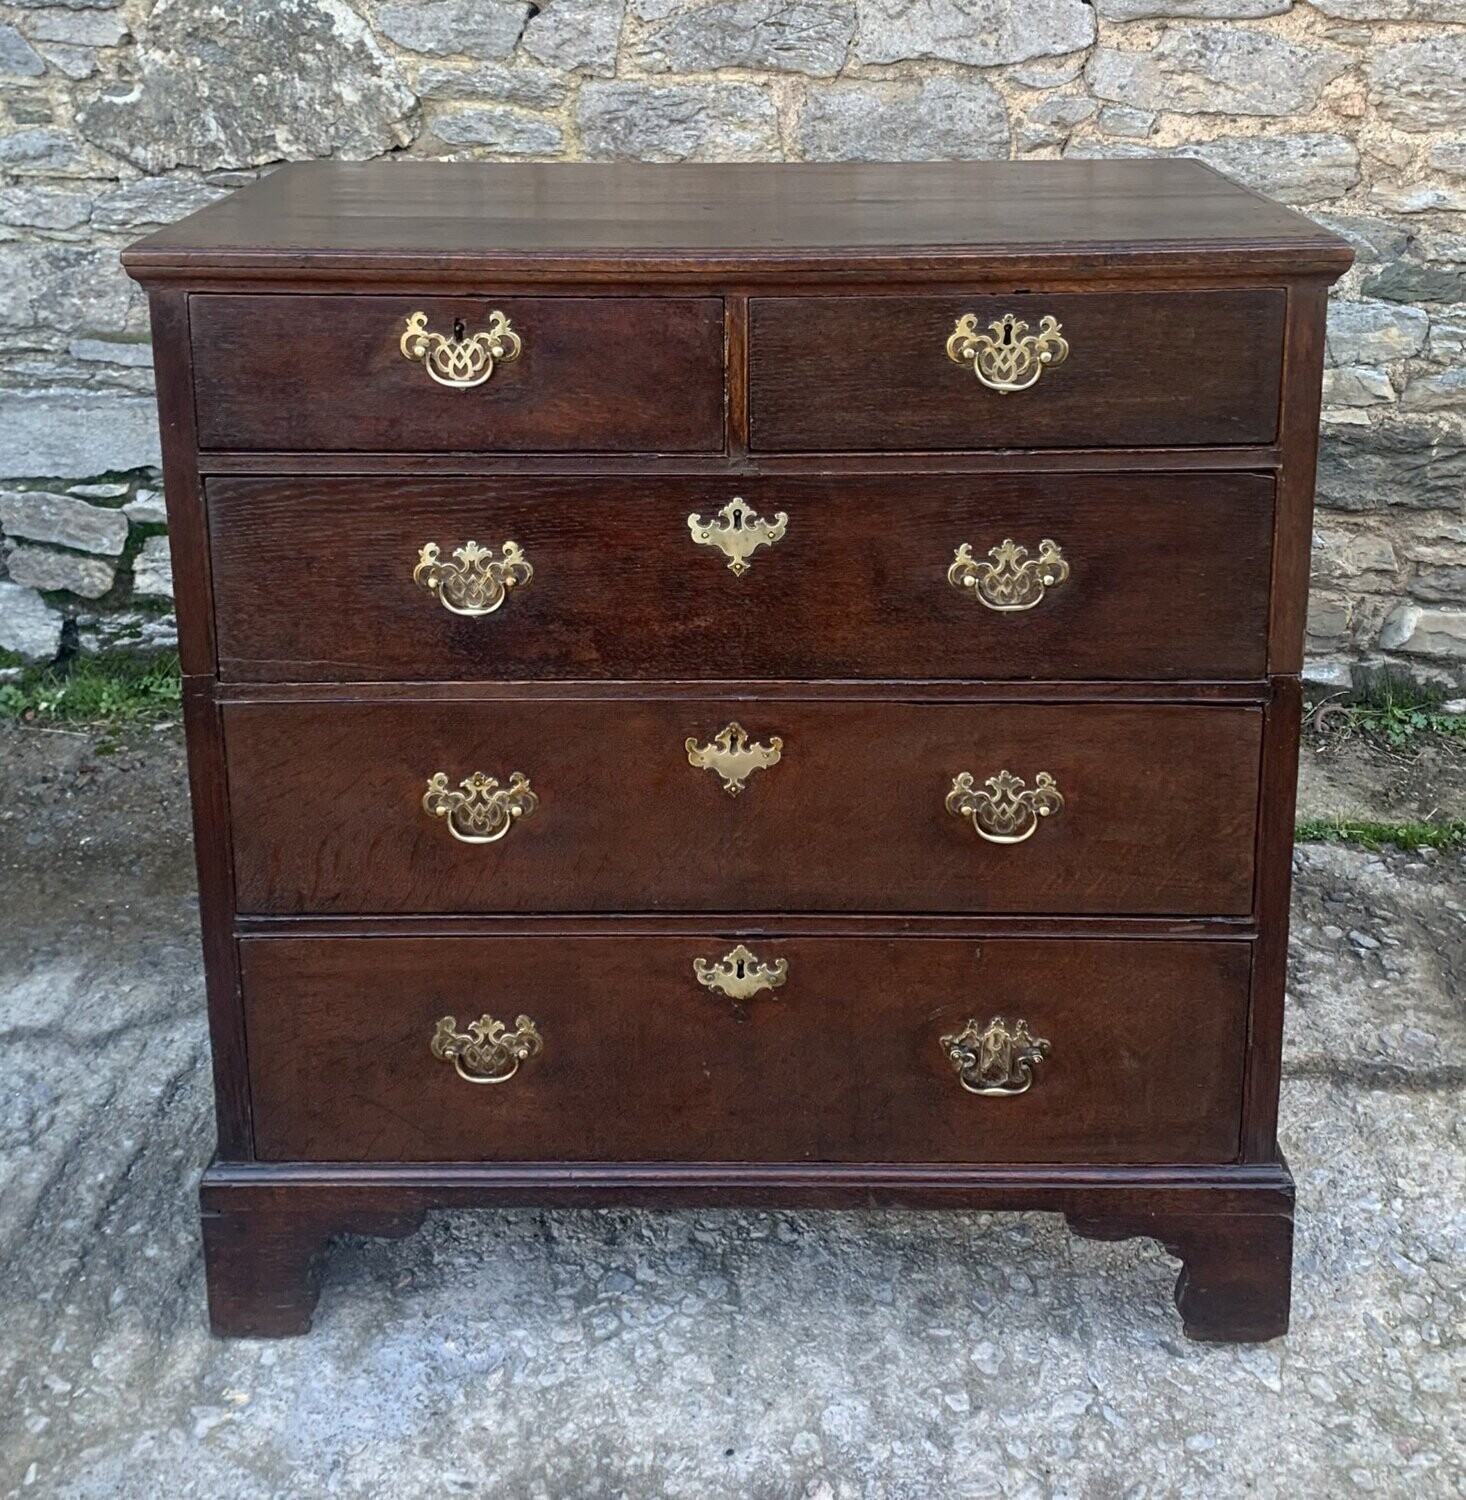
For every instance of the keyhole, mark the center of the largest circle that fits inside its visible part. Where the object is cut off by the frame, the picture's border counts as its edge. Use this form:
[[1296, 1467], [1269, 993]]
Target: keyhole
[[737, 514], [1007, 333], [458, 330], [738, 964]]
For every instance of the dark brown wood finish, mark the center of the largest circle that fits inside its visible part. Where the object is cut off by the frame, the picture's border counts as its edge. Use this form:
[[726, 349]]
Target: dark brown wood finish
[[328, 816], [1144, 369], [619, 374], [842, 1062], [313, 580], [1232, 1227], [772, 332]]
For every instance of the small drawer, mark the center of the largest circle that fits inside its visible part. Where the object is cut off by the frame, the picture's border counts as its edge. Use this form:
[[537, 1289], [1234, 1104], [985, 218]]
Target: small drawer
[[801, 1049], [458, 374], [324, 579], [750, 805], [1031, 370]]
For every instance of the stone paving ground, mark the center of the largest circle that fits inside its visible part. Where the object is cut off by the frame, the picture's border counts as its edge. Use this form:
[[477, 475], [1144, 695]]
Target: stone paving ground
[[579, 1355]]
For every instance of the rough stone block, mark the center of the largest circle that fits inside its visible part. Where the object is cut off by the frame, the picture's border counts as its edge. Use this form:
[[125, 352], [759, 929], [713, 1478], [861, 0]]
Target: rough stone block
[[505, 132], [1357, 386], [1384, 465], [232, 86], [791, 36], [528, 87], [18, 59], [1373, 332], [1420, 631], [1216, 70], [28, 626], [1190, 10], [152, 570], [1306, 168], [1445, 391], [40, 568], [41, 516], [580, 35], [44, 207], [74, 434], [940, 119], [677, 122], [981, 33], [1420, 85], [83, 28]]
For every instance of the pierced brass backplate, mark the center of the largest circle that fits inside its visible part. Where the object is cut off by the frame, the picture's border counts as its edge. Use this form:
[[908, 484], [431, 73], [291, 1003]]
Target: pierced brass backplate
[[1007, 357], [730, 754], [1011, 580], [488, 1052], [460, 360], [478, 810], [739, 975], [995, 1060], [476, 582], [1006, 812], [736, 532]]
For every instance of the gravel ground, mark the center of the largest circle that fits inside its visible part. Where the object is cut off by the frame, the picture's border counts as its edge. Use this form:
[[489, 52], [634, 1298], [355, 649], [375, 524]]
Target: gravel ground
[[886, 1356]]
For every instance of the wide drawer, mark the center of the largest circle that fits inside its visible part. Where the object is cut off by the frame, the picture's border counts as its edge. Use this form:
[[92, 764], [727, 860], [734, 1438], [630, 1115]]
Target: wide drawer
[[850, 1058], [603, 374], [1138, 369], [323, 579], [1095, 808]]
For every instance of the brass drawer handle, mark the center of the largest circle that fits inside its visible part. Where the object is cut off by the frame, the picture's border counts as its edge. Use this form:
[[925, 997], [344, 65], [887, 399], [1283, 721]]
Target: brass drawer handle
[[736, 531], [733, 757], [460, 360], [476, 582], [1007, 357], [478, 810], [1007, 812], [1011, 580], [488, 1052], [739, 975], [995, 1060]]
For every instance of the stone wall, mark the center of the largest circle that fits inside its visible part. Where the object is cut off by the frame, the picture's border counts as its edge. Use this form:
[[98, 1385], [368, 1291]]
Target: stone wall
[[124, 114]]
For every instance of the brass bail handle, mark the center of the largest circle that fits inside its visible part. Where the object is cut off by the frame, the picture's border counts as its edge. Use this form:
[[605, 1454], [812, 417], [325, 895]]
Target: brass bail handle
[[1006, 357], [488, 1052], [995, 1059], [458, 359]]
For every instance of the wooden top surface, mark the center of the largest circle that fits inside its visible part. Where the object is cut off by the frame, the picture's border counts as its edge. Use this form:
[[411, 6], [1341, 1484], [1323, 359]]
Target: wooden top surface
[[428, 217]]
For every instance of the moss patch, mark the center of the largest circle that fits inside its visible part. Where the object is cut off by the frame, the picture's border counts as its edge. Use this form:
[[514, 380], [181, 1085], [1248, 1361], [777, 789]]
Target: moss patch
[[116, 689]]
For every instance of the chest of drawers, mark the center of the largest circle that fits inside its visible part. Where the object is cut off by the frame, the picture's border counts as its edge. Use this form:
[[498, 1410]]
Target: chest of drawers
[[762, 684]]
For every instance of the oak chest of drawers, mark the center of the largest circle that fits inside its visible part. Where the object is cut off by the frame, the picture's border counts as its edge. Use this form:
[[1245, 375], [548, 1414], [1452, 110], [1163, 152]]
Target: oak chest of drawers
[[743, 685]]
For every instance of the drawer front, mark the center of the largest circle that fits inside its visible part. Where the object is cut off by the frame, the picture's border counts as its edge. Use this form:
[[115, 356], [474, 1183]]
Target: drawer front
[[604, 374], [1151, 810], [1153, 369], [850, 1057], [319, 579]]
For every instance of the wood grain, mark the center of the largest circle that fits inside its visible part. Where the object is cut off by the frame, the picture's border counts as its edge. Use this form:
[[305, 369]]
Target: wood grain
[[326, 801], [872, 373], [595, 374], [843, 1062], [313, 578]]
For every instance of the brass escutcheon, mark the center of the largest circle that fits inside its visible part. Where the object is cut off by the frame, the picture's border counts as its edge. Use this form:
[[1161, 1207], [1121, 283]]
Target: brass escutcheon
[[1007, 357], [488, 1052], [739, 975], [476, 582], [733, 757], [1011, 580], [460, 360], [736, 532], [478, 810], [994, 1060], [1006, 812]]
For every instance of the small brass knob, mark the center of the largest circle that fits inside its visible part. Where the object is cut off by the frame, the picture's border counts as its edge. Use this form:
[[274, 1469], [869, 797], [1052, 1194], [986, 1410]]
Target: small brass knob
[[1007, 357], [488, 1052], [995, 1060]]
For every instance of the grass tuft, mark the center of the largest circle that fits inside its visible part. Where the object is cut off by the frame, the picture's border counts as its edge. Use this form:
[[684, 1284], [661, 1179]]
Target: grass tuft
[[117, 689], [1448, 835]]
